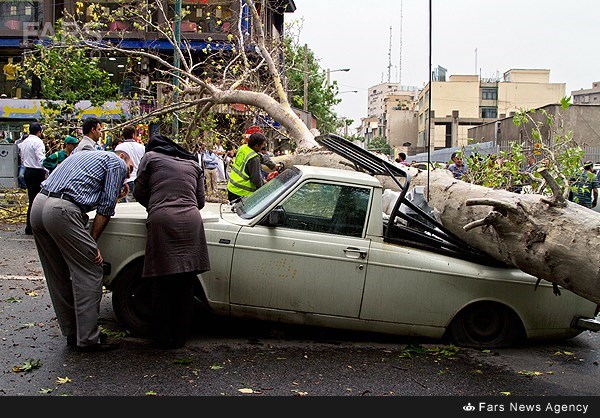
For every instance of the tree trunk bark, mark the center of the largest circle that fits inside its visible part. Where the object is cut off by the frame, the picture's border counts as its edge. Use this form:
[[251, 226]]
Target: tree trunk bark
[[550, 242]]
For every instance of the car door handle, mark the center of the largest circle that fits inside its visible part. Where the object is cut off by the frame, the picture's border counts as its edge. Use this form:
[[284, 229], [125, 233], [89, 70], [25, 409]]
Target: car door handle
[[352, 252]]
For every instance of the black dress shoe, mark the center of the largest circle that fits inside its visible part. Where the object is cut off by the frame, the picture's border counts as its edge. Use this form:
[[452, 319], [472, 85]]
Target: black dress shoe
[[28, 231], [98, 347], [72, 339]]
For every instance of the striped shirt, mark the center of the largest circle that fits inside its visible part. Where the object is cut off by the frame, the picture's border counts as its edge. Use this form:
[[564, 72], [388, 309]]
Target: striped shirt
[[584, 184], [93, 179]]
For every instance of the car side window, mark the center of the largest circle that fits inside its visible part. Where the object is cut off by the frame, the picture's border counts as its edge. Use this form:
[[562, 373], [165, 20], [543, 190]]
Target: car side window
[[327, 208]]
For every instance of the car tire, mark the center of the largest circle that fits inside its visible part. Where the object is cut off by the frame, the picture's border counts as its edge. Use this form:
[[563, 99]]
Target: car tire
[[486, 325], [131, 300]]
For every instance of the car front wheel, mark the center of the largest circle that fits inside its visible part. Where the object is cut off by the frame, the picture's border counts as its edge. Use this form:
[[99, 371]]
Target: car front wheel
[[131, 297], [486, 325]]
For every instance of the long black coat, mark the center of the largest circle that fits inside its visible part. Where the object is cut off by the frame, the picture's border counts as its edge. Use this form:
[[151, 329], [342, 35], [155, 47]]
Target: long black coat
[[172, 191]]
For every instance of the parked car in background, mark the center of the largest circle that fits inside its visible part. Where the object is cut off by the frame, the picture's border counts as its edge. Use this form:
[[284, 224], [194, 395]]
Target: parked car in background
[[312, 247]]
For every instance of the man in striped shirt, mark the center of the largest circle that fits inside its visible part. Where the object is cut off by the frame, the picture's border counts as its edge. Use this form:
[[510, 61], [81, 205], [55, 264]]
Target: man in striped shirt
[[68, 250]]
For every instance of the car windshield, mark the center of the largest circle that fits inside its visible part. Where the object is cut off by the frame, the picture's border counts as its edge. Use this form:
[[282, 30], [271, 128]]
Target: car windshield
[[250, 206]]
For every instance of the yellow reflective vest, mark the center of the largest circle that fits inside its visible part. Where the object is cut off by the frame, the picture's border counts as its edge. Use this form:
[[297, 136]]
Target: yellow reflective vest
[[239, 182]]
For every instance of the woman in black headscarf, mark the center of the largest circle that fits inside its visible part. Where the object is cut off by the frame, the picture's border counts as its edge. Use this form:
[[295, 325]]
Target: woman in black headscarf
[[170, 185]]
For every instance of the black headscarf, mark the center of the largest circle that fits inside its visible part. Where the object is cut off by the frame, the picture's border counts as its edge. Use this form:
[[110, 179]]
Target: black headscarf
[[165, 145]]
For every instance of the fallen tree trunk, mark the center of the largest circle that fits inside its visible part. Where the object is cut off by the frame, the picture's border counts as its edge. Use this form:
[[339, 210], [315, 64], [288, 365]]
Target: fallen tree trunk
[[547, 237]]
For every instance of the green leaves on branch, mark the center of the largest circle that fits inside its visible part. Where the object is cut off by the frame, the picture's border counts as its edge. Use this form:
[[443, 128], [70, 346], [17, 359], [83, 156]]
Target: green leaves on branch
[[68, 73], [321, 96], [546, 140]]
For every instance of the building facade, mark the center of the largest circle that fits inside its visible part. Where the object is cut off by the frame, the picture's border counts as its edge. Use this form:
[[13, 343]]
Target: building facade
[[391, 114], [465, 101], [206, 22], [587, 96]]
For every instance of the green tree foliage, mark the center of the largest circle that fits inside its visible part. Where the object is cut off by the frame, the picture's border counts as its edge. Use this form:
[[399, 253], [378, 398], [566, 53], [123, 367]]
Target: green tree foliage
[[68, 73], [546, 140], [321, 97], [379, 145]]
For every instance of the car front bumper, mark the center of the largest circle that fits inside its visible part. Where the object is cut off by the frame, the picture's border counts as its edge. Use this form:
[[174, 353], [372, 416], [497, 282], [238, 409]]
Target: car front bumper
[[588, 324]]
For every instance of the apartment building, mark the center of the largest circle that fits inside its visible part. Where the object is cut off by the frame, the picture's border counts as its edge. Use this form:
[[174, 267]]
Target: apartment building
[[587, 96], [464, 101], [23, 23], [391, 114]]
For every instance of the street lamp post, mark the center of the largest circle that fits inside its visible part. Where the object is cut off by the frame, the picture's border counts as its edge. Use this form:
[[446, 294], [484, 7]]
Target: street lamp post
[[333, 71]]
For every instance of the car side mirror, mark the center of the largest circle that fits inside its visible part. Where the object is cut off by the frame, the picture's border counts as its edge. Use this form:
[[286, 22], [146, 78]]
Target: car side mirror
[[276, 217]]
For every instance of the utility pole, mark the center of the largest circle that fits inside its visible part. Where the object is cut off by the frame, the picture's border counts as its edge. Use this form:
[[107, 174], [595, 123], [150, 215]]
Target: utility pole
[[389, 79], [400, 64], [176, 63], [305, 77]]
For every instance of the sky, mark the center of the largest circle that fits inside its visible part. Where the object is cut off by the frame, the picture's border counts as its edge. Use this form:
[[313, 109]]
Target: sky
[[467, 36]]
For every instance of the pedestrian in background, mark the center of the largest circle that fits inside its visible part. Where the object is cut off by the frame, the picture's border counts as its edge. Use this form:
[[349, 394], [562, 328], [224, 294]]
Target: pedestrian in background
[[402, 159], [92, 132], [585, 187], [33, 151], [136, 151], [54, 159], [68, 250], [458, 167], [21, 174], [211, 166], [170, 185]]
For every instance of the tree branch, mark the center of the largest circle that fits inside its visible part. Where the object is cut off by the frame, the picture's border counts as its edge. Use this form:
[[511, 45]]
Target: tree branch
[[558, 199], [497, 204], [488, 220]]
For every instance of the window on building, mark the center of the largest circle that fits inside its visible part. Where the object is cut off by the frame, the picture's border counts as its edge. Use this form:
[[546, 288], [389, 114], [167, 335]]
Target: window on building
[[489, 112], [205, 16], [489, 94], [14, 13]]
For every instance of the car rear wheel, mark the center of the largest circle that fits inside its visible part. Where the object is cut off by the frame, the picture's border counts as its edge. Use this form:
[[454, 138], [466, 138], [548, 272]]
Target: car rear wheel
[[486, 325]]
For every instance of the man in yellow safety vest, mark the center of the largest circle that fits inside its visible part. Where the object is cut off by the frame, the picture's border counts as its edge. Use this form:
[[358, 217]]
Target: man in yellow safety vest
[[245, 177]]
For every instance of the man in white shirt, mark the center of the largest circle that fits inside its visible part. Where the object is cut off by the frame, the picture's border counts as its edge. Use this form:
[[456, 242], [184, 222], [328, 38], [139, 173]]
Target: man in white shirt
[[92, 132], [211, 166], [32, 152], [136, 151]]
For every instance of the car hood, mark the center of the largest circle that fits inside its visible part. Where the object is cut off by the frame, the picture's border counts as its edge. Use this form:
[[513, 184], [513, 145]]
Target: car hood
[[134, 211]]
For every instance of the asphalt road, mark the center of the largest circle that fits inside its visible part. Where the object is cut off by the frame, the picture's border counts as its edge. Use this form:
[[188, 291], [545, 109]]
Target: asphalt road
[[252, 359]]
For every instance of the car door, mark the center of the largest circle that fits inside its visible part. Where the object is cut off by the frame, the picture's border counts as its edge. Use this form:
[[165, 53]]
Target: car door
[[315, 262]]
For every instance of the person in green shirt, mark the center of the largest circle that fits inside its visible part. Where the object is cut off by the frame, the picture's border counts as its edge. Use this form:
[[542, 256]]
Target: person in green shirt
[[54, 159]]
